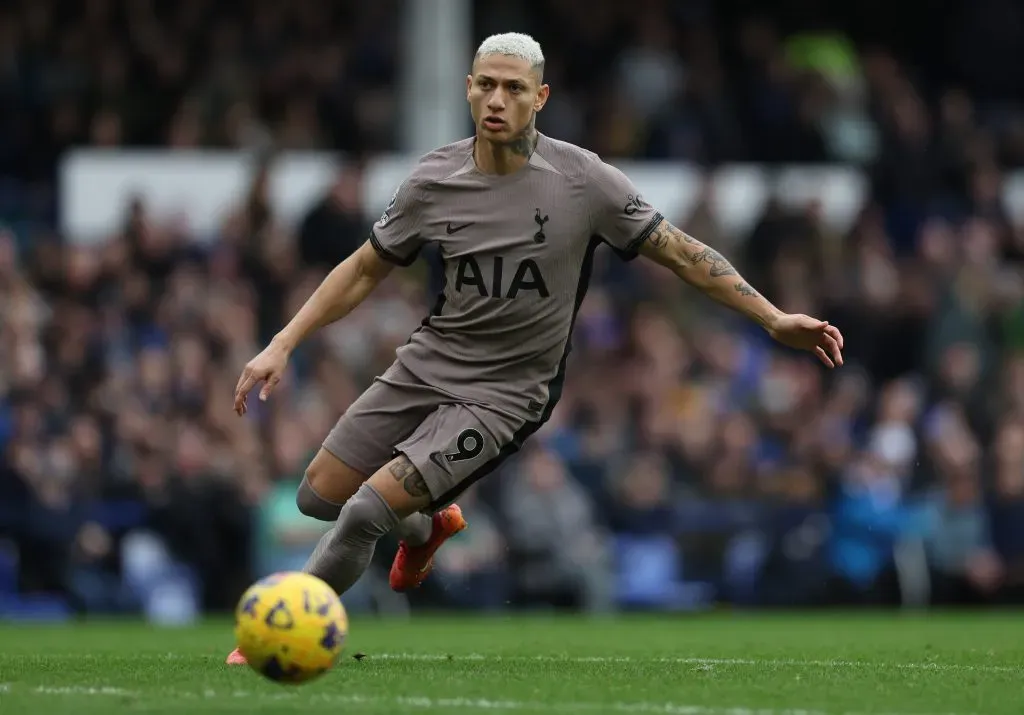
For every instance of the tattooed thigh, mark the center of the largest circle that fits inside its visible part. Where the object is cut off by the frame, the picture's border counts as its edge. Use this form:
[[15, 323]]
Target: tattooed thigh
[[412, 481]]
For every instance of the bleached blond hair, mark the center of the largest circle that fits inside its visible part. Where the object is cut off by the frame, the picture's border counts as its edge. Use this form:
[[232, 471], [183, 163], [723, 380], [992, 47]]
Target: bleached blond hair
[[514, 44]]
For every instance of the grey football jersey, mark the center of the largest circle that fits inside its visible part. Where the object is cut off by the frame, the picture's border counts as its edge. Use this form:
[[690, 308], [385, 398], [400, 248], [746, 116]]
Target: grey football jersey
[[517, 252]]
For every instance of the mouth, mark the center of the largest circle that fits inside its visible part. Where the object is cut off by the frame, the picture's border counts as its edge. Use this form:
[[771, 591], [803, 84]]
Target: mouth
[[494, 123]]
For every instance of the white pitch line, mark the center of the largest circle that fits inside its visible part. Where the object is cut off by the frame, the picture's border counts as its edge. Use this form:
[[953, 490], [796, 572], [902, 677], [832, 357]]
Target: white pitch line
[[423, 702], [837, 664], [82, 690], [751, 662]]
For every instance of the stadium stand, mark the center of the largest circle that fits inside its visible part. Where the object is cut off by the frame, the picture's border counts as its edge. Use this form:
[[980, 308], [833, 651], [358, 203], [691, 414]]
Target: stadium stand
[[689, 462]]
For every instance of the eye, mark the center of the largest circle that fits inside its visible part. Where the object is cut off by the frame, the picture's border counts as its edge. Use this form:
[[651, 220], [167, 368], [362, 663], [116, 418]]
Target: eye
[[516, 88]]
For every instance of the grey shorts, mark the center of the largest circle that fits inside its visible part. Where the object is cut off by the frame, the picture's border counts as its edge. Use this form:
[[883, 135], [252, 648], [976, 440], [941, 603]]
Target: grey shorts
[[451, 443]]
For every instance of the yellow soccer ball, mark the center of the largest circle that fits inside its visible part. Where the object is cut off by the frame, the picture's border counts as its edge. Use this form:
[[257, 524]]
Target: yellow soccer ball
[[291, 627]]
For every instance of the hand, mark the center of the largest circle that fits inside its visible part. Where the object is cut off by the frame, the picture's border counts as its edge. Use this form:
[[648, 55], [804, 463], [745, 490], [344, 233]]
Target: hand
[[266, 367], [806, 333]]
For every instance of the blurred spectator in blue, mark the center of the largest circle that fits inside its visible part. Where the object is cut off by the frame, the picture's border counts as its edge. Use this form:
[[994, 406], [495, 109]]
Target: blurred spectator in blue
[[870, 515], [873, 511], [650, 567], [641, 497]]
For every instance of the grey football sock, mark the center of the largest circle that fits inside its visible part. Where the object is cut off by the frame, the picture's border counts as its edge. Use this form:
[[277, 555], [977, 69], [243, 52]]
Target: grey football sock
[[312, 504], [415, 529], [345, 551]]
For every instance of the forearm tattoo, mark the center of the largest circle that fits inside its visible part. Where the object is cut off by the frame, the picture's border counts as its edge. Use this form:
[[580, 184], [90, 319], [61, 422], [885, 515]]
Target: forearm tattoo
[[718, 265], [693, 252], [743, 288], [677, 249], [403, 471]]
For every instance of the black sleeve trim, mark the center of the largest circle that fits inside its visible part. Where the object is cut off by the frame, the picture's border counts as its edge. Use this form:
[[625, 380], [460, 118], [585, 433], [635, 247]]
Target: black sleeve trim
[[632, 249], [388, 255]]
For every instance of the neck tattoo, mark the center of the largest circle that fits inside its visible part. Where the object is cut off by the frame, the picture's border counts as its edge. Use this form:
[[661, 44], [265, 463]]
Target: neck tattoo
[[525, 143]]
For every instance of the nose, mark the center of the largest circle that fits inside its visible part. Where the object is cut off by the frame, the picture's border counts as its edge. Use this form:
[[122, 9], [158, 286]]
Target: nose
[[496, 102]]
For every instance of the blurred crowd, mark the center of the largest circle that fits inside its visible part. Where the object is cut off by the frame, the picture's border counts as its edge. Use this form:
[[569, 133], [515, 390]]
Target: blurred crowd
[[689, 461]]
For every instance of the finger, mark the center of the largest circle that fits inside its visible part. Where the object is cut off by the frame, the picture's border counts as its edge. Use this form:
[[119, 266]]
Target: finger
[[823, 357], [836, 335], [269, 387], [243, 389], [832, 348], [247, 383], [246, 372]]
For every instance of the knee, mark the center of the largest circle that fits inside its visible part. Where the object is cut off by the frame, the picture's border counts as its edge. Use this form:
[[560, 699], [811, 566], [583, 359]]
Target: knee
[[311, 503], [327, 484], [317, 477], [366, 515]]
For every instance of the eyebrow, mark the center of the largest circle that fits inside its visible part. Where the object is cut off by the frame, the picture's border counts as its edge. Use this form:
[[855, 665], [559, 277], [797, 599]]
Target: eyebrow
[[521, 80]]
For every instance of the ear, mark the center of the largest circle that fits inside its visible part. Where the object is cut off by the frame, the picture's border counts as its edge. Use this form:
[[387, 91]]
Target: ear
[[542, 97], [469, 85]]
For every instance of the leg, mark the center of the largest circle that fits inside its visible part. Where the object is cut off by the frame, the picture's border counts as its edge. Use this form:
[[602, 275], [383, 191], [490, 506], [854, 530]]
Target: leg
[[402, 487], [326, 486], [360, 444], [388, 496], [458, 445], [449, 450], [329, 483]]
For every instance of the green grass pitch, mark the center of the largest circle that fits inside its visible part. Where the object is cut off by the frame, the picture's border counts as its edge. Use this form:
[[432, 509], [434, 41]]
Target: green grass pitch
[[794, 664]]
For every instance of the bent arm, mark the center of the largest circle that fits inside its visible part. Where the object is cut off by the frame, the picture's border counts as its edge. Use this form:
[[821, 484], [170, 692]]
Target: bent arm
[[341, 291], [707, 270]]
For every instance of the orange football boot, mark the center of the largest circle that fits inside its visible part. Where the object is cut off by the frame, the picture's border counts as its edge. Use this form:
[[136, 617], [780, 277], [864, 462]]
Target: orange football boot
[[236, 658], [413, 563]]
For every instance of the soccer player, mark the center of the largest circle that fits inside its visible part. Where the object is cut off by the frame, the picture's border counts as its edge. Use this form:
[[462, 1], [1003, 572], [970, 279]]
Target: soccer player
[[517, 216]]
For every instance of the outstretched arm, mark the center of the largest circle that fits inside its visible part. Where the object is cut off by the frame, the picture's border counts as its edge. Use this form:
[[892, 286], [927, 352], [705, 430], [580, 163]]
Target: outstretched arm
[[706, 269], [341, 291]]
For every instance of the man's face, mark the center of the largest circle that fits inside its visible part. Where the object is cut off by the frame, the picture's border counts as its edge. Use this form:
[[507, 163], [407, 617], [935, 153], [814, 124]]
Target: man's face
[[503, 95]]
